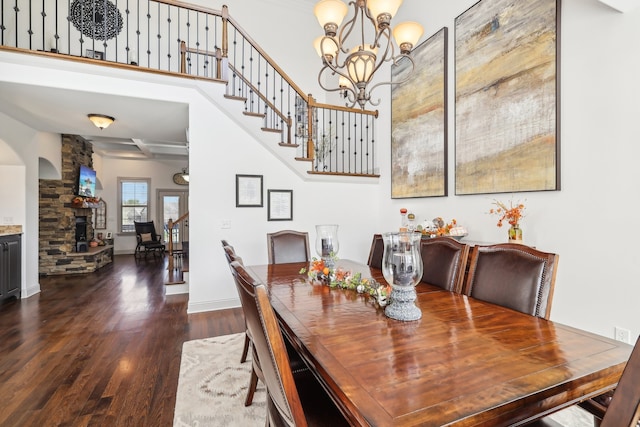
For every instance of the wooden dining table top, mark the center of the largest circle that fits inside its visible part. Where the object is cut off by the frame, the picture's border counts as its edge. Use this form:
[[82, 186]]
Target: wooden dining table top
[[464, 363]]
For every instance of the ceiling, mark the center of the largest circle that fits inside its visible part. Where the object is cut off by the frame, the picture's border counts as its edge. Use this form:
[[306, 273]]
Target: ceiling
[[143, 128]]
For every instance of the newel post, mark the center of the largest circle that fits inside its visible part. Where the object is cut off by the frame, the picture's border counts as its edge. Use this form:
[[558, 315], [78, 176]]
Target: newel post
[[225, 36], [170, 228], [310, 132], [183, 57]]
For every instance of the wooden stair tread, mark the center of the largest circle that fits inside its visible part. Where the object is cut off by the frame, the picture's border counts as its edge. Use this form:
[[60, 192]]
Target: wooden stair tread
[[304, 159], [274, 130], [252, 114], [284, 144], [236, 98]]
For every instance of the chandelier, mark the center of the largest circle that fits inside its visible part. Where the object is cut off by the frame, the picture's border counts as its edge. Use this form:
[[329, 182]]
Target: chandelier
[[345, 52]]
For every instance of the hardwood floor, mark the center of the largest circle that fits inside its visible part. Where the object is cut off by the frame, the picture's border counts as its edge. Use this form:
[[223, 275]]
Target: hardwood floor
[[99, 349]]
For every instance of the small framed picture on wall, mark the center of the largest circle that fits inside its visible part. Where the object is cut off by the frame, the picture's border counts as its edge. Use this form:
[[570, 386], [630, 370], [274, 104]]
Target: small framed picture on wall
[[249, 191], [280, 205]]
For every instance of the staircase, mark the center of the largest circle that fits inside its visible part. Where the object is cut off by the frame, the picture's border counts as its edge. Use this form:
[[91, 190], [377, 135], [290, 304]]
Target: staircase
[[313, 139]]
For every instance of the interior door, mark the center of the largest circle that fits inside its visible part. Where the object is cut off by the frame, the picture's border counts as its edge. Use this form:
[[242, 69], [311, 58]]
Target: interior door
[[172, 204]]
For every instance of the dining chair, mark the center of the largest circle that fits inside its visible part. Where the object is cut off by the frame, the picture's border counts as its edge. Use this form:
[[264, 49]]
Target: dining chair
[[513, 275], [444, 262], [287, 246], [624, 408], [376, 252], [299, 401], [225, 243], [256, 371]]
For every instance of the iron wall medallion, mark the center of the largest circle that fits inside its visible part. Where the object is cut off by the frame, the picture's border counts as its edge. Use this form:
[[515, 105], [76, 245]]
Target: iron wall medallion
[[97, 19]]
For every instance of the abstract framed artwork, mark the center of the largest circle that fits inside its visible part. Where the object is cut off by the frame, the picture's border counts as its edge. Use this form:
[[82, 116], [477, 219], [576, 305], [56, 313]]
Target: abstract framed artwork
[[419, 121], [507, 97]]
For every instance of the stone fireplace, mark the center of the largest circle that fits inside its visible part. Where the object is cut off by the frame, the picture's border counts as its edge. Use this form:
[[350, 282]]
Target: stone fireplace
[[65, 231]]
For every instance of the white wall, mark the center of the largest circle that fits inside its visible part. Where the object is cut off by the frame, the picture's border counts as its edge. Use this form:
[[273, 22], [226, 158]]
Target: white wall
[[159, 172], [21, 191], [591, 221]]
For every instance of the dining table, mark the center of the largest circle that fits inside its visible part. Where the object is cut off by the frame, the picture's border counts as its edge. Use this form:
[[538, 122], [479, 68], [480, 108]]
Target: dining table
[[465, 362]]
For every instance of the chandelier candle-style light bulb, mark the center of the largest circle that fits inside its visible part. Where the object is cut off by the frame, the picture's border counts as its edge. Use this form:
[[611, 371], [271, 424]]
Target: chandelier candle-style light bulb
[[347, 54], [330, 14], [407, 35]]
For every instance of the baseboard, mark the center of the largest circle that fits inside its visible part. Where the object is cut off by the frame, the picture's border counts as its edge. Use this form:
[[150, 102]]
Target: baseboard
[[176, 289], [200, 307]]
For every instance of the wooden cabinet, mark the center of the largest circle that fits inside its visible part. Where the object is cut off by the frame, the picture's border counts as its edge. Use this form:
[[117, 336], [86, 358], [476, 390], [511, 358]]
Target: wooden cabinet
[[10, 266]]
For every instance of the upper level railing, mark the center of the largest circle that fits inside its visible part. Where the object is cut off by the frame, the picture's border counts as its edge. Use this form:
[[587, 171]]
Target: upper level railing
[[177, 38]]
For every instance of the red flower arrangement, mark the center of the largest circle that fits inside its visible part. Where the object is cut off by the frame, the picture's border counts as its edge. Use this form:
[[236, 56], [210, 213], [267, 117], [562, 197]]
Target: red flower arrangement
[[512, 214]]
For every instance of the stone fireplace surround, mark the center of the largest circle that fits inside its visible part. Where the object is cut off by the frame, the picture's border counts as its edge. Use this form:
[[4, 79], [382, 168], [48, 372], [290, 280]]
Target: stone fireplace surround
[[58, 239]]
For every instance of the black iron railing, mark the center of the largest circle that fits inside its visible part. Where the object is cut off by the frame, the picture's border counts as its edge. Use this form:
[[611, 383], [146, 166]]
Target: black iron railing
[[174, 37]]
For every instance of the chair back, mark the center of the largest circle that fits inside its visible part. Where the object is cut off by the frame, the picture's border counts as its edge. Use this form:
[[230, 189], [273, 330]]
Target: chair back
[[270, 347], [444, 261], [624, 409], [512, 275], [288, 246], [225, 243], [146, 227], [376, 252], [231, 255]]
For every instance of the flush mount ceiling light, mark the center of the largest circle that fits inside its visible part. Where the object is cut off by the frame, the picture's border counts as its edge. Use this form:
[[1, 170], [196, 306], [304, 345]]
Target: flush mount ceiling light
[[185, 174], [354, 59], [100, 120]]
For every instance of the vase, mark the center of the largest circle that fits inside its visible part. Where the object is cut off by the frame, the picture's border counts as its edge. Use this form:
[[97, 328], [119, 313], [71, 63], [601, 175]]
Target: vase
[[402, 269], [515, 234], [327, 243]]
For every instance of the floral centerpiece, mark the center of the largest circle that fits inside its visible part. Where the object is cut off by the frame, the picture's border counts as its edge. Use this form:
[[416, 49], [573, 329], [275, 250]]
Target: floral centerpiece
[[344, 279], [512, 215]]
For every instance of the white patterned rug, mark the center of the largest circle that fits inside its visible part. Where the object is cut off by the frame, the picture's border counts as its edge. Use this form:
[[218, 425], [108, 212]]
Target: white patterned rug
[[213, 385]]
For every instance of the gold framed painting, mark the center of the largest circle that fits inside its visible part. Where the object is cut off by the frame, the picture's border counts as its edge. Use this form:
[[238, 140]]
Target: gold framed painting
[[507, 97], [419, 121]]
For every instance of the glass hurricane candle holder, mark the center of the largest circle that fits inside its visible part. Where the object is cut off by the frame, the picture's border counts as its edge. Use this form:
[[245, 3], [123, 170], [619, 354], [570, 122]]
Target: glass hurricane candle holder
[[402, 269], [327, 242]]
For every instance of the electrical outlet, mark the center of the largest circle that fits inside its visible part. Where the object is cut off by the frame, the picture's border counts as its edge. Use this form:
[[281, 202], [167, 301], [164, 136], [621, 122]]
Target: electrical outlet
[[622, 334]]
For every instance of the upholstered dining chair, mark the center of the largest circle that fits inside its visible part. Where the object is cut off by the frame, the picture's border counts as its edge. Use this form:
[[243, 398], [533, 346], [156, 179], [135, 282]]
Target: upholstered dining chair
[[444, 262], [624, 408], [512, 275], [290, 402], [376, 252], [256, 372], [287, 246], [225, 243]]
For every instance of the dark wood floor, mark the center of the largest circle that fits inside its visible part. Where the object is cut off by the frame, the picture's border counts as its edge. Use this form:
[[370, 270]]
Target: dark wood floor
[[99, 349]]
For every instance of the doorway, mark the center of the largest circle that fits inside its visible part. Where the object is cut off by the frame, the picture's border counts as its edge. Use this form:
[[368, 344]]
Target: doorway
[[172, 204]]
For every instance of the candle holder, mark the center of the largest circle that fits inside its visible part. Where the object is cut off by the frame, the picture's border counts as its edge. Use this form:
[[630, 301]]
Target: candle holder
[[327, 243], [402, 269]]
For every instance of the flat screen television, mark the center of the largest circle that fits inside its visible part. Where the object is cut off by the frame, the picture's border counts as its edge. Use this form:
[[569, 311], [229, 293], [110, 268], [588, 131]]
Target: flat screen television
[[87, 182]]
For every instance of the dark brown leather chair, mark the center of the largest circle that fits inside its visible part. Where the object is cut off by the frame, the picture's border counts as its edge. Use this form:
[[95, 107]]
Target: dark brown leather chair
[[624, 408], [148, 241], [256, 372], [444, 262], [225, 243], [288, 246], [512, 275], [290, 402], [376, 252]]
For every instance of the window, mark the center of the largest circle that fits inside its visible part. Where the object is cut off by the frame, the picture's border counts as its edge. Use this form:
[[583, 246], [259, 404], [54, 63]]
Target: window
[[133, 199]]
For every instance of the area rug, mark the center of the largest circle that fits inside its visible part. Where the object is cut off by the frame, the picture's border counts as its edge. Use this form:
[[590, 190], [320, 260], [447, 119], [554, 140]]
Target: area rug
[[213, 385]]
